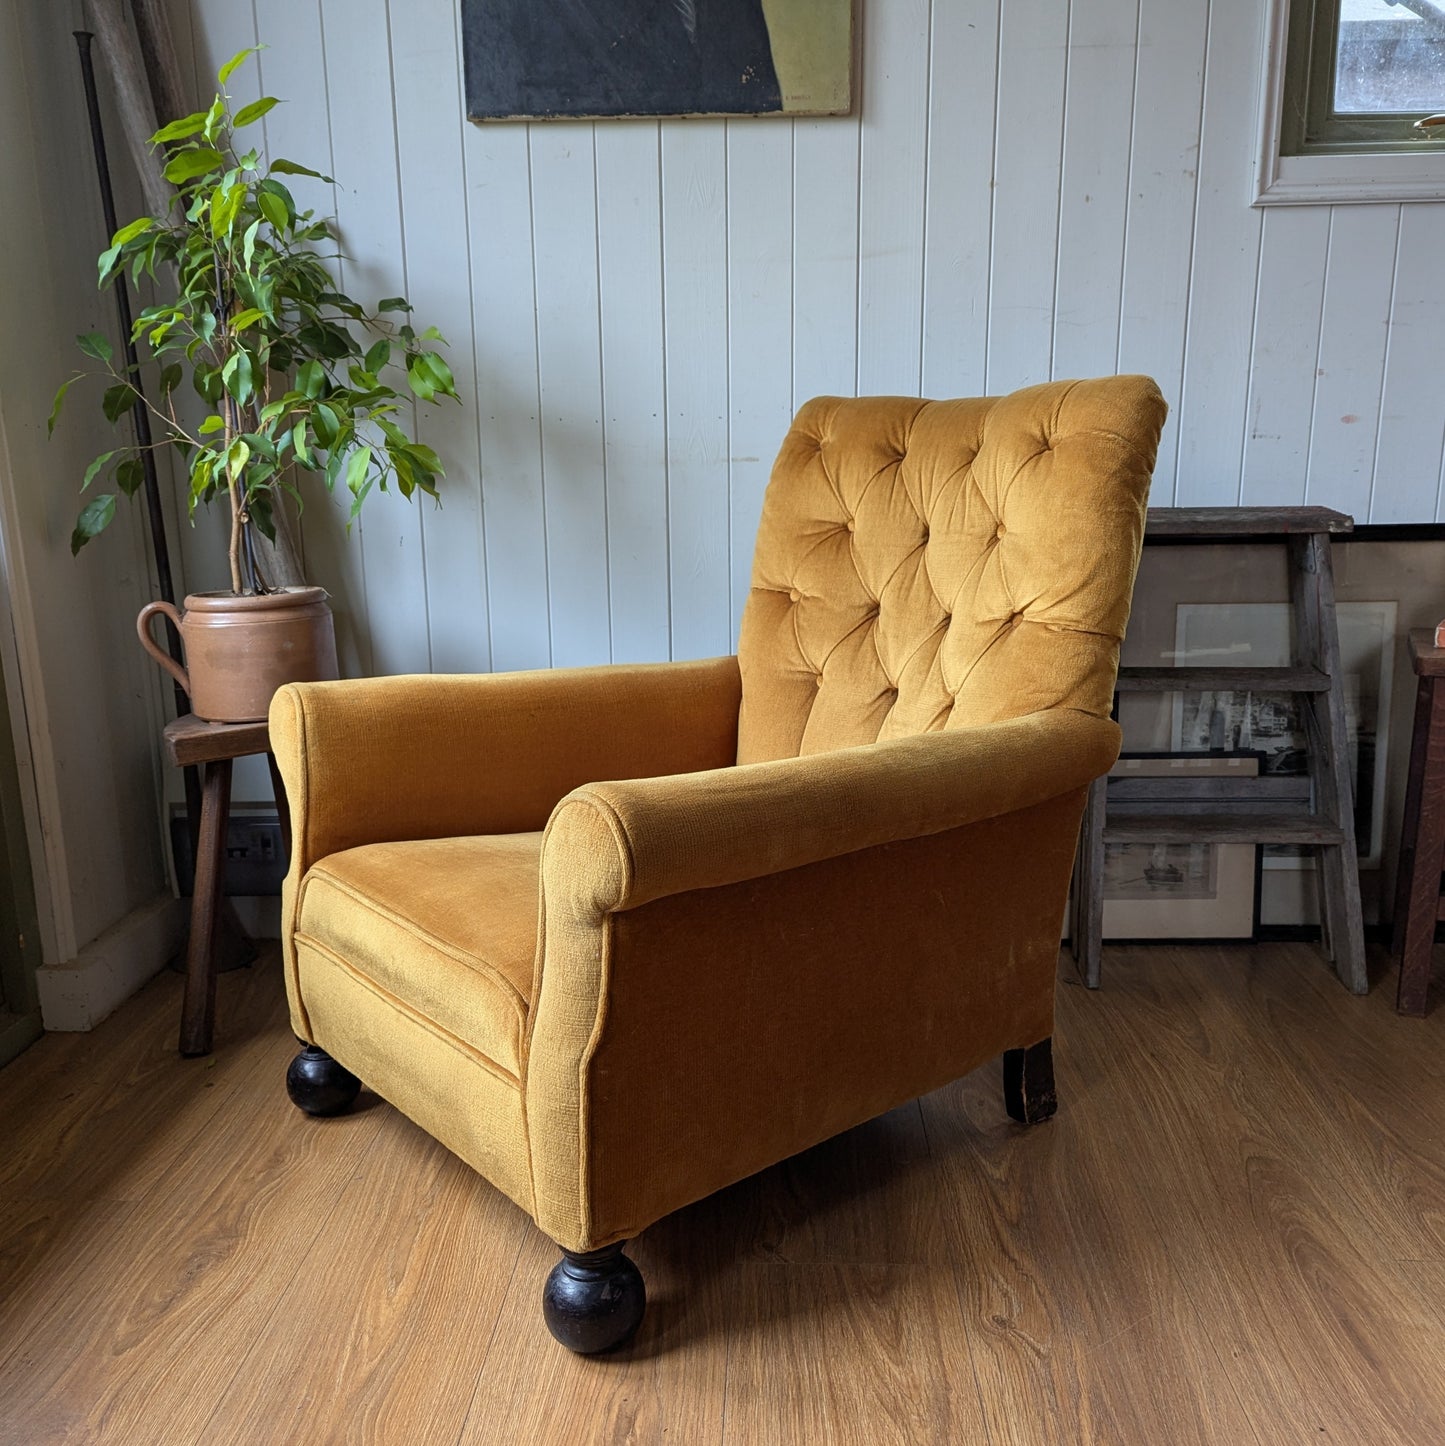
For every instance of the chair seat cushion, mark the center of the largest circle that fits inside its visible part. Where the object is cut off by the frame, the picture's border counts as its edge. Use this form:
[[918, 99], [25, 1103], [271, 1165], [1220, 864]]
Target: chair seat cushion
[[446, 926]]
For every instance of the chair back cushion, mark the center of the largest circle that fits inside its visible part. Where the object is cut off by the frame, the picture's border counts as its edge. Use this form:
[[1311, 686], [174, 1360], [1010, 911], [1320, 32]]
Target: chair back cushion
[[924, 565]]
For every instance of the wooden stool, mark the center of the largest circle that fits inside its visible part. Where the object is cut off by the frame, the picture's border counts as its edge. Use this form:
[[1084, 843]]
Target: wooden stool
[[1422, 838], [213, 746]]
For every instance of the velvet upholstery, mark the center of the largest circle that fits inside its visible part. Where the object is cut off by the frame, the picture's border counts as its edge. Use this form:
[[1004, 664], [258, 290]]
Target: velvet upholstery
[[620, 936]]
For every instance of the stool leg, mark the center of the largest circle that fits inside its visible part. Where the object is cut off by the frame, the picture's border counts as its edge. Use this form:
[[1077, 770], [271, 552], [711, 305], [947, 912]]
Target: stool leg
[[1410, 825], [283, 806], [198, 1009], [1423, 899]]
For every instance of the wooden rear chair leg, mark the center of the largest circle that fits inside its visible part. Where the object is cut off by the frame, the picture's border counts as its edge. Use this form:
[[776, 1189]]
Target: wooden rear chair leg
[[1028, 1083]]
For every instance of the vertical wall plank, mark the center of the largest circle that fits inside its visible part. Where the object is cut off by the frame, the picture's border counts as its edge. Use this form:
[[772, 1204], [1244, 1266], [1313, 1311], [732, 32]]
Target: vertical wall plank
[[373, 265], [499, 209], [825, 258], [1098, 121], [429, 122], [958, 223], [694, 259], [1412, 419], [569, 368], [890, 200], [1293, 247], [634, 390], [1226, 258], [1032, 49], [760, 327], [1158, 234], [1359, 277]]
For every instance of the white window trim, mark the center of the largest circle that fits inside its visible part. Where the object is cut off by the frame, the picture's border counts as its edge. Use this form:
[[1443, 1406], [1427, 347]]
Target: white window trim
[[1358, 176]]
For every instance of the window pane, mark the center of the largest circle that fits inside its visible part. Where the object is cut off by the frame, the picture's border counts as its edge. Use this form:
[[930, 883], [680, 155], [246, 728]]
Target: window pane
[[1391, 56]]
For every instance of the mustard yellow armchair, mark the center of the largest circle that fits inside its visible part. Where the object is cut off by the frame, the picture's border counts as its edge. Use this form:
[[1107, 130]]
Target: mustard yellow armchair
[[621, 936]]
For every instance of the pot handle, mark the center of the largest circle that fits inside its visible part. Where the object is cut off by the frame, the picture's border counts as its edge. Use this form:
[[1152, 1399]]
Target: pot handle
[[148, 642]]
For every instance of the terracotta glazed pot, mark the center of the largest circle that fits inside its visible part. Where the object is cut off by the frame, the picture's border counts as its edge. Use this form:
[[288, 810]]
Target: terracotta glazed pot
[[239, 650]]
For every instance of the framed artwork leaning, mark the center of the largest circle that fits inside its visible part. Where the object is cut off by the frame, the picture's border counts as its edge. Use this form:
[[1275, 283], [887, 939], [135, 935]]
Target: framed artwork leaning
[[527, 60], [1180, 890], [1258, 635]]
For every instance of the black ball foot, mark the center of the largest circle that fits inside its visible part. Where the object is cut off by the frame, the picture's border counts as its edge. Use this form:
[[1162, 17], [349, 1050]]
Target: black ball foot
[[320, 1086], [594, 1299]]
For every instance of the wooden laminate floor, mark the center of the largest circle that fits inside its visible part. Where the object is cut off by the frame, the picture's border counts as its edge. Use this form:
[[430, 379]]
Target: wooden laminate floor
[[1233, 1232]]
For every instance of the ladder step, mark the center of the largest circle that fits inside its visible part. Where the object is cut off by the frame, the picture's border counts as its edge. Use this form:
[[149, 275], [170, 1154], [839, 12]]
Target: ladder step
[[1235, 680], [1186, 828], [1199, 523]]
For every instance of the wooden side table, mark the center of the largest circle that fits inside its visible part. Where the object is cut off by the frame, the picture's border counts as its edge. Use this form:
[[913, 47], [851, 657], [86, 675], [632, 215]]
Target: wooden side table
[[213, 746], [1422, 839]]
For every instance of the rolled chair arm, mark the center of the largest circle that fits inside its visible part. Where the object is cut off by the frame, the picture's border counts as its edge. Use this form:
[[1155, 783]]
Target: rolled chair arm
[[620, 844], [380, 759]]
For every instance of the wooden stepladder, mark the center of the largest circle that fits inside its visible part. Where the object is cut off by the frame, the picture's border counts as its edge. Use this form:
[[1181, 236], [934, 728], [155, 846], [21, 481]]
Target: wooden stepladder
[[1276, 810]]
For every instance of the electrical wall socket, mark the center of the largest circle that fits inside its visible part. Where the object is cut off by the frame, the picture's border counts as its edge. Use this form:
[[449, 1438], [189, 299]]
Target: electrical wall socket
[[255, 861]]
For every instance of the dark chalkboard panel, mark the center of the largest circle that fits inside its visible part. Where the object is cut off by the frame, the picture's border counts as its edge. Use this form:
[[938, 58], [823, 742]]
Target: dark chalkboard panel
[[541, 58]]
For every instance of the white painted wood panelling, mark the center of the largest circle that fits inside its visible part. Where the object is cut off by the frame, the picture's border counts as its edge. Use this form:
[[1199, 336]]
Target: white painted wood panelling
[[1028, 188]]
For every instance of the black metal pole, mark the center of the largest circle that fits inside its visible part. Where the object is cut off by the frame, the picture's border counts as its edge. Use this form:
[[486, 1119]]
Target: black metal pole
[[140, 413]]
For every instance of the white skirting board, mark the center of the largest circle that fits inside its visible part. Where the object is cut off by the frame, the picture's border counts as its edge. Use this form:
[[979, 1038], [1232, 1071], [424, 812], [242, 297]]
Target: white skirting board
[[77, 995]]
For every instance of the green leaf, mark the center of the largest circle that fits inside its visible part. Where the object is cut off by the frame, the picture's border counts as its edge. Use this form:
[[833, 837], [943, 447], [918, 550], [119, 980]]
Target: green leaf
[[94, 344], [117, 401], [129, 233], [59, 402], [327, 425], [93, 470], [224, 209], [229, 68], [248, 243], [253, 112], [291, 168], [393, 303], [214, 117], [212, 423], [249, 317], [237, 457], [420, 452], [378, 356], [189, 164], [170, 378], [259, 507], [106, 264], [273, 208], [94, 518], [357, 466], [438, 372], [179, 130], [130, 476], [238, 378], [311, 379], [298, 444], [418, 379]]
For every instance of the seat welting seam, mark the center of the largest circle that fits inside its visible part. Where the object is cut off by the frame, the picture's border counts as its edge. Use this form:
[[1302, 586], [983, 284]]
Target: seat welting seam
[[468, 1052], [483, 966]]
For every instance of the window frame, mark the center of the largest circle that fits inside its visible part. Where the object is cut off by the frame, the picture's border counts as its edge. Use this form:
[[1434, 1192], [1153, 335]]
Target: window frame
[[1359, 160]]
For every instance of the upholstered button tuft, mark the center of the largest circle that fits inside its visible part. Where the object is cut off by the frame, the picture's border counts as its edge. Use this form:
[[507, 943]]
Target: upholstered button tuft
[[850, 525], [818, 681], [794, 595], [1000, 530]]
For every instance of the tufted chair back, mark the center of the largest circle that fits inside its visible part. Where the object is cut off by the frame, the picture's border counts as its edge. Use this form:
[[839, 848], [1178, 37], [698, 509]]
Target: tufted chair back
[[924, 565]]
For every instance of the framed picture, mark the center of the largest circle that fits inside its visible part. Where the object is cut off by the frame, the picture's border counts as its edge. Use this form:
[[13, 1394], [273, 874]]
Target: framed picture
[[1257, 635], [525, 59], [1179, 891]]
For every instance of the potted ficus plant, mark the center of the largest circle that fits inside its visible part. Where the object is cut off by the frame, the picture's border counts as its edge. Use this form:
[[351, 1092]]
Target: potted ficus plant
[[292, 376]]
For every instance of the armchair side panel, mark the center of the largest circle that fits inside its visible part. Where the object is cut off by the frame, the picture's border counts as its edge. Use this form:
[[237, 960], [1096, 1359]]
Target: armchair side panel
[[703, 1036]]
